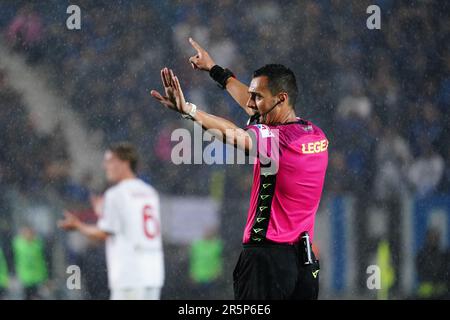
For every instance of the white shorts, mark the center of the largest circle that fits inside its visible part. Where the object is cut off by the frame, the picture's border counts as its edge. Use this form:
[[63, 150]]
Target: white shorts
[[148, 293]]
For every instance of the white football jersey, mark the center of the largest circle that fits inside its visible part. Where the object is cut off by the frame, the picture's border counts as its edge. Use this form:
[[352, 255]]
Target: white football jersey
[[134, 253]]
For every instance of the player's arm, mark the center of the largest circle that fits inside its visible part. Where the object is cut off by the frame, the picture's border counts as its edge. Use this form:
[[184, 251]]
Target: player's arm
[[72, 222], [238, 90], [220, 127]]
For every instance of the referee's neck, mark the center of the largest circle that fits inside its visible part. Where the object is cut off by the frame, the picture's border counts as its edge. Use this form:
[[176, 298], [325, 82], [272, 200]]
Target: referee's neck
[[286, 117]]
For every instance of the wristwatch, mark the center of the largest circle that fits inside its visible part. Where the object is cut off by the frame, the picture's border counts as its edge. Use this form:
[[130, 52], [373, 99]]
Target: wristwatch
[[191, 114]]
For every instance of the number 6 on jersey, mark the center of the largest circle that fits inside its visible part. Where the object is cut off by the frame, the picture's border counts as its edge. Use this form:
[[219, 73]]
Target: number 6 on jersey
[[150, 222]]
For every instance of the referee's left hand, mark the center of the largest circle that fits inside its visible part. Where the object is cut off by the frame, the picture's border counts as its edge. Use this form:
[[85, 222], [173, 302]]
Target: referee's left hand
[[174, 98]]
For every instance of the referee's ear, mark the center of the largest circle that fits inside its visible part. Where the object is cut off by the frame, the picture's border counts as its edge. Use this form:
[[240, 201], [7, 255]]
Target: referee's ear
[[283, 96]]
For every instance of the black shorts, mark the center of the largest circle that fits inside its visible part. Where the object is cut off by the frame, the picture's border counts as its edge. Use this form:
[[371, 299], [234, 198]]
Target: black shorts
[[274, 272]]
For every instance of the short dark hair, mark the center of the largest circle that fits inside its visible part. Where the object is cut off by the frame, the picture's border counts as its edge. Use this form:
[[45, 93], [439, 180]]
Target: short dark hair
[[280, 78], [127, 152]]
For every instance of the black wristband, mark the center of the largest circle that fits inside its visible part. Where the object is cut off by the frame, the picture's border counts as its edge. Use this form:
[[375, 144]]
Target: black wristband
[[220, 75]]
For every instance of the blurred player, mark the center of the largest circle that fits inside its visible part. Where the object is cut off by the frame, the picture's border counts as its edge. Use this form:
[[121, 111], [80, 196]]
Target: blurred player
[[129, 222]]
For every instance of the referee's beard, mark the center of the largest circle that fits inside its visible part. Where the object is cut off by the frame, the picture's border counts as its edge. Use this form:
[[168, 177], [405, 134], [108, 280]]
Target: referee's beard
[[262, 117]]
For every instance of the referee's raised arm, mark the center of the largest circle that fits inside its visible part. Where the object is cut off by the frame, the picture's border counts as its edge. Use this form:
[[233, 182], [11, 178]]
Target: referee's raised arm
[[224, 77], [174, 100]]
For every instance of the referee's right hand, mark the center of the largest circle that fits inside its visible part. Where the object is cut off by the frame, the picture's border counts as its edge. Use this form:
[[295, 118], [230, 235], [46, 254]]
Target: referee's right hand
[[201, 60]]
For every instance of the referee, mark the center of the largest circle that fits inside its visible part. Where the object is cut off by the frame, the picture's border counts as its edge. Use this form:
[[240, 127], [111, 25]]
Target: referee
[[277, 261]]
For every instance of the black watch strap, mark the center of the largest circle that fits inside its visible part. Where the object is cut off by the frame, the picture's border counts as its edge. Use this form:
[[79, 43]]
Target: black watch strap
[[220, 75]]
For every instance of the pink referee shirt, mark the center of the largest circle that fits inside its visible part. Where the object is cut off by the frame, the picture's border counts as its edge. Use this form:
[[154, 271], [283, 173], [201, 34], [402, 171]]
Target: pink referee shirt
[[284, 201]]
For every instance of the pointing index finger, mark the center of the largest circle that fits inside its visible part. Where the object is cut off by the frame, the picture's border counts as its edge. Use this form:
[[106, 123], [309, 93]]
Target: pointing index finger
[[195, 45]]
